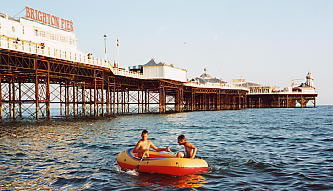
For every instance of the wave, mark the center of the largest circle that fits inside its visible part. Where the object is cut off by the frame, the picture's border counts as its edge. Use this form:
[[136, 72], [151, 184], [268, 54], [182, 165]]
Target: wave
[[60, 181]]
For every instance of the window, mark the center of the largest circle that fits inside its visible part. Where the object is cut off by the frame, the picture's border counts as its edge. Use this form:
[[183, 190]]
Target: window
[[13, 28], [0, 26], [62, 38], [42, 33], [22, 29]]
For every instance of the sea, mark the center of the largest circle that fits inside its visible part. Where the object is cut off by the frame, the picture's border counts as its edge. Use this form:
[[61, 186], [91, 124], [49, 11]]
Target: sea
[[251, 149]]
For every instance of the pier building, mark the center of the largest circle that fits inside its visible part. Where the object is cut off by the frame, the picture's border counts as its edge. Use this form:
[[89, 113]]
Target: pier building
[[260, 96], [160, 70], [43, 74]]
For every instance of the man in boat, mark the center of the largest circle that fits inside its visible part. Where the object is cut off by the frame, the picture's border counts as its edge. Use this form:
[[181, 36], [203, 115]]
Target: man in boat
[[190, 149], [143, 146]]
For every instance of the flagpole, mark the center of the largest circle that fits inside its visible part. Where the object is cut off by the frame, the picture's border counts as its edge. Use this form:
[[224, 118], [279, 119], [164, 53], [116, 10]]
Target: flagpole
[[117, 52], [105, 55]]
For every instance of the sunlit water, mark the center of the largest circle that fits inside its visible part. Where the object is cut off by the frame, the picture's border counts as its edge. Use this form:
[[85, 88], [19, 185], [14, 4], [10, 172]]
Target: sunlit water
[[254, 149]]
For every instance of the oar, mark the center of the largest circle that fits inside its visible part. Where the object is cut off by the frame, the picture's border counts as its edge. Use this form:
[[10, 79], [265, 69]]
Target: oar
[[138, 166]]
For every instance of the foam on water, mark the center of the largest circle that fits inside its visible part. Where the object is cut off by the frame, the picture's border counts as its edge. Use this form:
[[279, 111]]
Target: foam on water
[[130, 172]]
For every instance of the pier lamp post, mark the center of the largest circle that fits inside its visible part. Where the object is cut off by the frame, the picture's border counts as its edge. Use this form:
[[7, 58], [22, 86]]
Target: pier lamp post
[[105, 57]]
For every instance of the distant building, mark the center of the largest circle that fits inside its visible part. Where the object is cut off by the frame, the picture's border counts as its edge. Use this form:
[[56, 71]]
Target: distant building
[[307, 87], [160, 70], [253, 87], [206, 78], [243, 83], [309, 80]]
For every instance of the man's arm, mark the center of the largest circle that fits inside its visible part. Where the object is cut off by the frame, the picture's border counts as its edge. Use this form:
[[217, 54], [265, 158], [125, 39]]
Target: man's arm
[[193, 148], [158, 149]]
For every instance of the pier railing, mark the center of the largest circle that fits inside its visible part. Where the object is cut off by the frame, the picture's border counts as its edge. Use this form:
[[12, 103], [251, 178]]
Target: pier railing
[[74, 56], [214, 85]]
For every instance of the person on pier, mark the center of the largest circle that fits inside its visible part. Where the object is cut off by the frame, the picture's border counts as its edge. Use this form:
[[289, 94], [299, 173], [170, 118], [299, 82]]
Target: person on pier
[[190, 149], [143, 146]]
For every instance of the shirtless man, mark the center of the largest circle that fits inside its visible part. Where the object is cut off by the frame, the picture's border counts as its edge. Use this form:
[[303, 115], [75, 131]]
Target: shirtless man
[[190, 149], [143, 146]]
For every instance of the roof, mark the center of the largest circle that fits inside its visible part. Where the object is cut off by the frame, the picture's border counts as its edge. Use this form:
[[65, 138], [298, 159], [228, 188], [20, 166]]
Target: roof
[[207, 78], [249, 84], [153, 63]]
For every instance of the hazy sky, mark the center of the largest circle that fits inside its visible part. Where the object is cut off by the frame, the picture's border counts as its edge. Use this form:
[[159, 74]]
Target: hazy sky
[[266, 41]]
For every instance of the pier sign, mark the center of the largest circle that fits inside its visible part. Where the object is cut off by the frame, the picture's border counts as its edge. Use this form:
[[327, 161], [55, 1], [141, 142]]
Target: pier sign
[[49, 19]]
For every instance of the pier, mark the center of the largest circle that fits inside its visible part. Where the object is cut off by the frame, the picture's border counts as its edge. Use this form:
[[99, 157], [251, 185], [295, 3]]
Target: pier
[[31, 85]]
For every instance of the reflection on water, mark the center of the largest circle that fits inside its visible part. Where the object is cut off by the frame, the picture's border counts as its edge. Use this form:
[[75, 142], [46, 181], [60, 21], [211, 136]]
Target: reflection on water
[[189, 181], [268, 149]]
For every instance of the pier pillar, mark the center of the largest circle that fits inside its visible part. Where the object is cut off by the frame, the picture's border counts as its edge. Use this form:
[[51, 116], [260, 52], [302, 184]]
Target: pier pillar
[[0, 97], [146, 101], [138, 91], [84, 112], [142, 100], [10, 98], [108, 108], [67, 99], [95, 95], [114, 96], [36, 89], [218, 101], [179, 100], [48, 97], [90, 101], [102, 92], [205, 102], [20, 99], [78, 100], [234, 102], [314, 101], [123, 110], [193, 101], [74, 98], [258, 102], [60, 99], [13, 97], [239, 101], [128, 100], [162, 100]]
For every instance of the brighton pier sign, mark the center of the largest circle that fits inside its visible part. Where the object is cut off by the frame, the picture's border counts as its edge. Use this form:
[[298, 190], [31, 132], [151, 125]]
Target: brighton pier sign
[[49, 19]]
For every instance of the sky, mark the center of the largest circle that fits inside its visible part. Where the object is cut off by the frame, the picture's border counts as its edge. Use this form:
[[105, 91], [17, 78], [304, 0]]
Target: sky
[[270, 42]]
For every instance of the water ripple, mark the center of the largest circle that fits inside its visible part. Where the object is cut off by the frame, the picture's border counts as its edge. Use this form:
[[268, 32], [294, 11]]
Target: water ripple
[[254, 149]]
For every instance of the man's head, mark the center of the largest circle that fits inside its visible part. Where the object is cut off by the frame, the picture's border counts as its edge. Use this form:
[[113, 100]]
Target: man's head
[[181, 139], [144, 134]]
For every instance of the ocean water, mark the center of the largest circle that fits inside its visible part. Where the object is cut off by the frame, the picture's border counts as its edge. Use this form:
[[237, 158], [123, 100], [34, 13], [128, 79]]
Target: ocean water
[[252, 149]]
